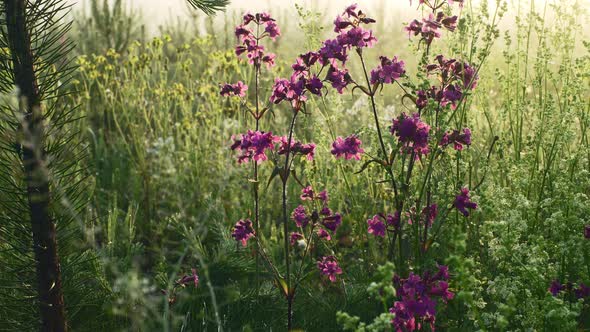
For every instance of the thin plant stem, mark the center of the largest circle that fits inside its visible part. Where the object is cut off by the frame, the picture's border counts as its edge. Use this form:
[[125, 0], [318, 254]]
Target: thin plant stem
[[256, 186], [285, 177]]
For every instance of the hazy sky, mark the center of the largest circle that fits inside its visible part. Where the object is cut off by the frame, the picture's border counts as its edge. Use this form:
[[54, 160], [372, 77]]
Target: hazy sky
[[159, 11]]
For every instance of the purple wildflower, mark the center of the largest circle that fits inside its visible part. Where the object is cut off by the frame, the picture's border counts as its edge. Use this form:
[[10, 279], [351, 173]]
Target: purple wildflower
[[323, 196], [340, 23], [457, 138], [189, 279], [412, 133], [417, 305], [450, 95], [310, 58], [393, 220], [332, 50], [299, 67], [297, 147], [332, 222], [272, 29], [323, 234], [253, 145], [357, 38], [237, 89], [442, 289], [269, 60], [328, 266], [300, 217], [307, 194], [442, 274], [242, 32], [429, 28], [349, 148], [376, 226], [587, 231], [243, 231], [582, 291], [430, 213], [295, 237], [350, 11], [463, 202], [555, 287], [388, 71], [314, 85], [292, 90], [339, 78]]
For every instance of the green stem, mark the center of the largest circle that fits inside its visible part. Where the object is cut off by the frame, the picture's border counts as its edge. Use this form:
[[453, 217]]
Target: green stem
[[286, 172]]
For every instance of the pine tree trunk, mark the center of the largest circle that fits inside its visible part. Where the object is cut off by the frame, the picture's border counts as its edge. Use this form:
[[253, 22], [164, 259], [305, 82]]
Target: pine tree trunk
[[51, 301]]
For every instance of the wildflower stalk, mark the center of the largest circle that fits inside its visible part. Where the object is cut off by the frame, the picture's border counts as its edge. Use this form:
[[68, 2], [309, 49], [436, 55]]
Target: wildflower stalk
[[376, 117], [388, 167], [285, 177], [256, 185]]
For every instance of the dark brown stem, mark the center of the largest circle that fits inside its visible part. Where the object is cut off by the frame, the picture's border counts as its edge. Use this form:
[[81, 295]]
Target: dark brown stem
[[51, 301]]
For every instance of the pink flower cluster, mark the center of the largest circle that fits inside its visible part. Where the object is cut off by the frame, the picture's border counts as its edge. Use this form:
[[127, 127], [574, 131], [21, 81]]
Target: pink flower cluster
[[301, 81], [238, 89], [324, 217], [347, 148], [463, 202], [412, 133], [429, 28], [456, 77], [417, 304], [255, 144], [388, 71], [329, 267], [307, 150], [458, 139], [581, 292], [250, 42], [243, 231], [189, 279], [351, 35], [429, 214], [380, 224]]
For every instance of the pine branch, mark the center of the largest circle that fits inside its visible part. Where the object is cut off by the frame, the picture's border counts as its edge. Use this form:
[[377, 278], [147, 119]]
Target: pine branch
[[209, 7]]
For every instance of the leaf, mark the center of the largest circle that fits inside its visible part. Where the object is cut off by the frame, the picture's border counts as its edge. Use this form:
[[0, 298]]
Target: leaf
[[274, 174], [366, 164], [282, 285], [365, 90]]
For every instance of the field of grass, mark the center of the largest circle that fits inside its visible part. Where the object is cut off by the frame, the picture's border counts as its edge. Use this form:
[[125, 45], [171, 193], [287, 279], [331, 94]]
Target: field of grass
[[147, 193]]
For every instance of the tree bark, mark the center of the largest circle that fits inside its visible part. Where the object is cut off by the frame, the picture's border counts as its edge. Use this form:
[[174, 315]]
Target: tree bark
[[51, 301]]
